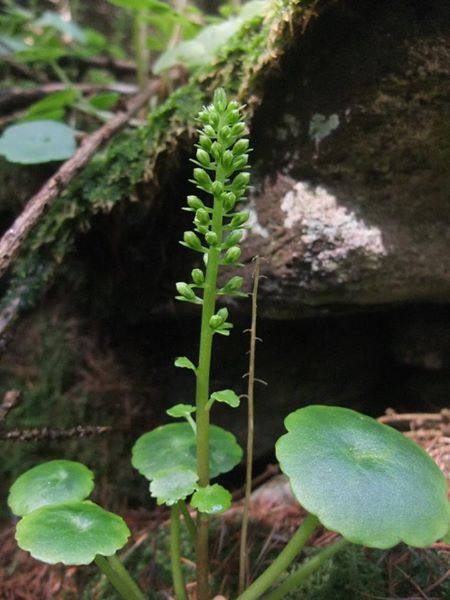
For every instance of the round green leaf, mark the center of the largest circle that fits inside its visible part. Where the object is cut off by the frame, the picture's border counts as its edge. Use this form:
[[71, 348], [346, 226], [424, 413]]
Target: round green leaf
[[72, 533], [211, 499], [172, 485], [363, 479], [174, 445], [37, 141], [50, 483]]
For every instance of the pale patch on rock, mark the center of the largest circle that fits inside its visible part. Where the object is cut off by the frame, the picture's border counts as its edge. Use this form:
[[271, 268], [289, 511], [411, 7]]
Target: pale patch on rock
[[253, 223], [329, 232]]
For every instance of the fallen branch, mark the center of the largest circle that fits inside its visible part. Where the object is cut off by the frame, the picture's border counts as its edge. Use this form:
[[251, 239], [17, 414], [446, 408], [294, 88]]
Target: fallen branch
[[12, 240], [35, 435], [18, 97], [111, 64]]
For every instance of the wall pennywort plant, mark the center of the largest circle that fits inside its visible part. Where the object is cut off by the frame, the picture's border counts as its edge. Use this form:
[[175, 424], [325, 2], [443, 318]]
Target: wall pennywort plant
[[353, 475]]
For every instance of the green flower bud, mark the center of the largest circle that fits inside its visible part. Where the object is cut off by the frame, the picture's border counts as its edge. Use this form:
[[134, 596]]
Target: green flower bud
[[239, 183], [234, 284], [217, 188], [195, 202], [227, 159], [220, 100], [214, 118], [191, 240], [203, 157], [233, 105], [215, 322], [219, 318], [233, 239], [229, 200], [205, 142], [240, 162], [203, 116], [217, 150], [211, 238], [239, 219], [225, 132], [209, 131], [184, 290], [233, 118], [238, 129], [202, 216], [223, 313], [198, 276], [232, 255], [202, 179], [241, 146]]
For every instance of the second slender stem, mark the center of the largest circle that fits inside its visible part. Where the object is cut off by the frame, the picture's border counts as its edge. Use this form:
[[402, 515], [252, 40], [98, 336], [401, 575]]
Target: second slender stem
[[250, 432], [305, 570], [175, 554], [119, 577], [283, 560]]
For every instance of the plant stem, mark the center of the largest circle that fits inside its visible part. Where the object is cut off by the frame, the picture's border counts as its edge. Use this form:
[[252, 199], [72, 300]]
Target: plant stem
[[202, 391], [175, 556], [119, 577], [250, 431], [283, 560], [190, 525], [303, 572], [141, 52]]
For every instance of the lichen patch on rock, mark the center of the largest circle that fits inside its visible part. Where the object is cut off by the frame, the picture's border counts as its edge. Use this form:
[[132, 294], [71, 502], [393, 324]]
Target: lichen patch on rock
[[338, 230]]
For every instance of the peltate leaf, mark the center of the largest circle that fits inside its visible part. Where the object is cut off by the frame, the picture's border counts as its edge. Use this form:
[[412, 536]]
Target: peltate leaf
[[54, 20], [174, 446], [36, 142], [72, 533], [50, 483], [211, 499], [363, 479], [172, 485]]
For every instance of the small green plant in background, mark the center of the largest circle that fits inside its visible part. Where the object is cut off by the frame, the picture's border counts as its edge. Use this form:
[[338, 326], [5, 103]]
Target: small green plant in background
[[351, 474]]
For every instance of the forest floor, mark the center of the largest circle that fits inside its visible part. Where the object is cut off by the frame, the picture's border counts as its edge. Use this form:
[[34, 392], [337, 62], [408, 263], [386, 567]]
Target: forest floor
[[402, 573]]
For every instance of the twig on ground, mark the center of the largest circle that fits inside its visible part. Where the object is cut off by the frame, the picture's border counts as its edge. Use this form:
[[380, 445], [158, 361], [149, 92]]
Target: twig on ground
[[46, 433], [12, 240]]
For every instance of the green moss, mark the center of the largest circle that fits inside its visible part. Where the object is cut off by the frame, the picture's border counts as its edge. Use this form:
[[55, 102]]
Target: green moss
[[132, 157]]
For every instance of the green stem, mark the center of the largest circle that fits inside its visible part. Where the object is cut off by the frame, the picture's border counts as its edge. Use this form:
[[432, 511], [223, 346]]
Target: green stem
[[303, 572], [202, 391], [119, 577], [190, 525], [250, 431], [175, 556], [142, 55], [283, 560]]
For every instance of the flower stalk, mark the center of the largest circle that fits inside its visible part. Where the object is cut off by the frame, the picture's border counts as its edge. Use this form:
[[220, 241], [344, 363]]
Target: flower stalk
[[221, 160]]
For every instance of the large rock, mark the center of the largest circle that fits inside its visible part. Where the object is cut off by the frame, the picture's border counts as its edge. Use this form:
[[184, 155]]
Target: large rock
[[352, 151]]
